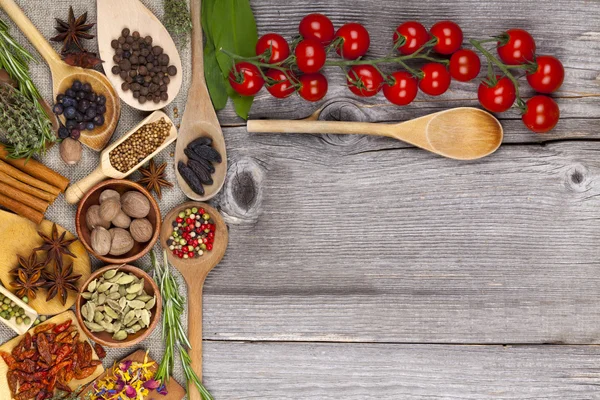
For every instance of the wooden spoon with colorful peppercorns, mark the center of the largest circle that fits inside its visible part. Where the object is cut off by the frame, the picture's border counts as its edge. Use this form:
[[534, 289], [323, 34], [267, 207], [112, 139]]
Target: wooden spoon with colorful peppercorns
[[194, 271], [106, 170], [63, 76]]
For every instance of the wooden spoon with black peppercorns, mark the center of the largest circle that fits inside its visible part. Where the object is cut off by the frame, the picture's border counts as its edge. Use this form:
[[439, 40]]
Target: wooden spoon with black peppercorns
[[148, 58]]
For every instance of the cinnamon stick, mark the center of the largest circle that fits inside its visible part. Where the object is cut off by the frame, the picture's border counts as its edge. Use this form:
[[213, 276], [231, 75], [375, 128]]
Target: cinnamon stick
[[25, 188], [21, 209], [28, 179], [36, 170], [24, 198]]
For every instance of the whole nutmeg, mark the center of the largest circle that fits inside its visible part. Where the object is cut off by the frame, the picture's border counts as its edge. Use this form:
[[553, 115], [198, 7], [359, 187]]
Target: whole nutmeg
[[141, 230], [70, 151], [122, 242], [109, 209], [122, 220], [135, 204], [93, 219], [109, 194], [101, 241]]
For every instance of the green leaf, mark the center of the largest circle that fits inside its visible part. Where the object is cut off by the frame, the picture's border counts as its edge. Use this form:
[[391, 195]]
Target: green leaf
[[230, 25], [242, 104], [217, 86]]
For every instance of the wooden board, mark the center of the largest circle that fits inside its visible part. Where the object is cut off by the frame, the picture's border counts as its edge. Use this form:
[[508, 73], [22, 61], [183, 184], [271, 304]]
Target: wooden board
[[19, 236], [75, 383], [174, 389], [363, 371]]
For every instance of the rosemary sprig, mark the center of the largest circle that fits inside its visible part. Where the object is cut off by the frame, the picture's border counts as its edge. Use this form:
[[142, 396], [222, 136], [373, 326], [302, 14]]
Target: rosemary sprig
[[173, 332], [14, 59]]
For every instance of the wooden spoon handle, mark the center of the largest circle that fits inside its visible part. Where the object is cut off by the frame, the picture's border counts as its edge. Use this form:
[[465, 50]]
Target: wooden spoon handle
[[78, 189], [329, 127], [195, 330], [27, 27]]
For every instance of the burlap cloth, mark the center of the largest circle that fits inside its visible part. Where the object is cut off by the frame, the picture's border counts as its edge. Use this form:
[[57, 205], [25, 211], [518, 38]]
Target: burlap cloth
[[42, 14]]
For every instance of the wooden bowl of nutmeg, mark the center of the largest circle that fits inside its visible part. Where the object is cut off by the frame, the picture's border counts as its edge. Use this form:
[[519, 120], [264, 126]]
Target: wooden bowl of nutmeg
[[118, 221]]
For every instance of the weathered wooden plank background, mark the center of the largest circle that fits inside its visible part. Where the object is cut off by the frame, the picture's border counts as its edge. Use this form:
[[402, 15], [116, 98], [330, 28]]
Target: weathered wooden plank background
[[362, 268]]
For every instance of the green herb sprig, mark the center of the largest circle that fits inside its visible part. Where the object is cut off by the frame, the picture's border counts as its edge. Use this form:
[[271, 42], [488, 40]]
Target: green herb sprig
[[177, 18], [228, 25], [24, 141], [172, 329]]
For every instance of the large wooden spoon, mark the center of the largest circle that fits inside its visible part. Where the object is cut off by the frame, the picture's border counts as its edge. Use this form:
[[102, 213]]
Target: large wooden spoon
[[113, 16], [199, 118], [105, 170], [462, 133], [63, 76], [194, 271]]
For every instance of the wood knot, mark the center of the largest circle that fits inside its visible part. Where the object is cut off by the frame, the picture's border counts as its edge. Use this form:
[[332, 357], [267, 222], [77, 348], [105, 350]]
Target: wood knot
[[241, 198], [577, 178], [343, 110]]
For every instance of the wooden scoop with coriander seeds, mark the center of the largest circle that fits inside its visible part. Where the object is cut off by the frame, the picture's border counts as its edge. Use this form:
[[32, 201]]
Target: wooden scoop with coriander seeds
[[107, 170], [63, 76], [463, 133]]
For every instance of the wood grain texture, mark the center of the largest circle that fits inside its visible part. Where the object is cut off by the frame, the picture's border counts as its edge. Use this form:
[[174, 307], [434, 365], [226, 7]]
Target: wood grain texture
[[286, 371], [332, 239], [579, 97]]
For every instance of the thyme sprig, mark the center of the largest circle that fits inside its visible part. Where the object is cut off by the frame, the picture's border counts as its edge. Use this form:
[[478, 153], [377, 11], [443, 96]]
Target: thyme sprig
[[172, 329], [25, 141]]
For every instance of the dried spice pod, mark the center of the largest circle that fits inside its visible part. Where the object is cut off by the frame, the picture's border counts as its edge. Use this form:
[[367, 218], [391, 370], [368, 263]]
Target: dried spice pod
[[201, 141], [193, 156], [201, 172], [207, 153], [190, 178]]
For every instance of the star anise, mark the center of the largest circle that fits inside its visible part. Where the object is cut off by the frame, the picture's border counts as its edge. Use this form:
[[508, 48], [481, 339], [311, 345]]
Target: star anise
[[56, 246], [154, 178], [73, 31], [28, 284], [28, 265], [60, 281]]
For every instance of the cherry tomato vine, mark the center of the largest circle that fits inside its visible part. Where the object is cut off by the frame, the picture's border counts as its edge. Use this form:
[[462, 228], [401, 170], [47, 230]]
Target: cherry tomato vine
[[285, 68]]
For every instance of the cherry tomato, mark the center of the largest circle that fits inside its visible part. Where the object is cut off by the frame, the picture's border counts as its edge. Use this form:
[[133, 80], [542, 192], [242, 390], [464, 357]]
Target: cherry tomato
[[518, 49], [310, 56], [283, 87], [413, 35], [499, 97], [449, 37], [276, 44], [436, 79], [403, 91], [464, 65], [318, 27], [245, 78], [541, 115], [364, 80], [313, 87], [355, 41], [548, 76]]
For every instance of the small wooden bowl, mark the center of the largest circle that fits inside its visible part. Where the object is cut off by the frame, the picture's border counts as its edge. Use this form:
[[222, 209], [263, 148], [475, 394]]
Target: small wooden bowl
[[92, 197], [105, 338]]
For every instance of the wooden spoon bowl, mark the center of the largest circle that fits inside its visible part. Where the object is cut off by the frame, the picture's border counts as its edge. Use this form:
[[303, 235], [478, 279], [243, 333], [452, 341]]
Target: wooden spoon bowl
[[194, 271], [113, 16], [63, 76]]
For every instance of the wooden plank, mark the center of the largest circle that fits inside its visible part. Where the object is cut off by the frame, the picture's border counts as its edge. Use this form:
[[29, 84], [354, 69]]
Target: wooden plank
[[334, 239], [286, 371], [579, 96]]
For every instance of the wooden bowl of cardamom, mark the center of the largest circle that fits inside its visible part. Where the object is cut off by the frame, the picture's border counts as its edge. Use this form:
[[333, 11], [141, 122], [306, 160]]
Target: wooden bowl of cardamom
[[119, 306]]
